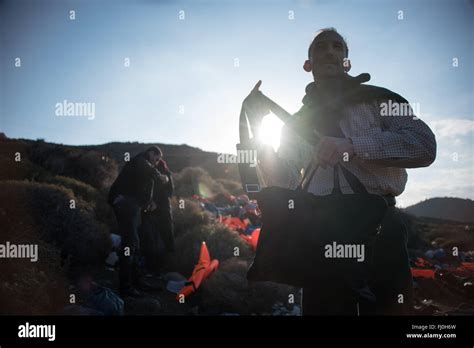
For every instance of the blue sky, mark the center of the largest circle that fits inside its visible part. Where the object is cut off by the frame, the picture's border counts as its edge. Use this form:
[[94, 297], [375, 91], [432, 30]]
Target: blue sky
[[190, 63]]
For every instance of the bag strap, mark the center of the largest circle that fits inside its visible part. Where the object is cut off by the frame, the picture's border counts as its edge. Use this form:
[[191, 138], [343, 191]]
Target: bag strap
[[337, 185], [352, 180], [304, 185]]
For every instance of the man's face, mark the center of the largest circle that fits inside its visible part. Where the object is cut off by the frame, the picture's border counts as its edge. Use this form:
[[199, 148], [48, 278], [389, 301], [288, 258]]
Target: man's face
[[327, 55]]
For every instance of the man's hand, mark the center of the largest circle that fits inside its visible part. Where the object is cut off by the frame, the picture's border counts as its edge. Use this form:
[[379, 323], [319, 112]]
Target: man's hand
[[164, 179], [256, 106], [162, 166], [331, 150]]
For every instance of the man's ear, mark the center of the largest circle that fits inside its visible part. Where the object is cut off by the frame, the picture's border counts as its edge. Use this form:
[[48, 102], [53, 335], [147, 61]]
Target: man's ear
[[308, 67], [346, 64]]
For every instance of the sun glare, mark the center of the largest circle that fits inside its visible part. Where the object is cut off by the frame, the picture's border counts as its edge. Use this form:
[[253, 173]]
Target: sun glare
[[270, 130]]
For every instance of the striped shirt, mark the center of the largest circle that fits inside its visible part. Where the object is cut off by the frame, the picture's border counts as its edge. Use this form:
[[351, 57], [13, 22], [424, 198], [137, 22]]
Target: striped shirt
[[383, 145]]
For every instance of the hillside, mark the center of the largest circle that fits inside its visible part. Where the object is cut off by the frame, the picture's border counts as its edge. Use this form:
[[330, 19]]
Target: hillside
[[39, 180], [178, 157], [446, 208]]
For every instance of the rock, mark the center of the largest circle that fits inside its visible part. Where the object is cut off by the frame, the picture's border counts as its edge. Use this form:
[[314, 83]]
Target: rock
[[175, 286], [143, 306]]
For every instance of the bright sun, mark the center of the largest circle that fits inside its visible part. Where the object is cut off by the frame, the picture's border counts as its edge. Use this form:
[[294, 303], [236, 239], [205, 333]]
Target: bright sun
[[270, 130]]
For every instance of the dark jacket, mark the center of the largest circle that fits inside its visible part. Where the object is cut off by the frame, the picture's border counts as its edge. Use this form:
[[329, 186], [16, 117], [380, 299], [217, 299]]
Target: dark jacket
[[162, 215], [163, 191], [317, 107], [136, 179]]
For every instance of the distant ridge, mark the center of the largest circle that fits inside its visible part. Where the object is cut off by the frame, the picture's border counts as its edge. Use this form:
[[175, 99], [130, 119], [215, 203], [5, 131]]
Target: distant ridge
[[447, 208]]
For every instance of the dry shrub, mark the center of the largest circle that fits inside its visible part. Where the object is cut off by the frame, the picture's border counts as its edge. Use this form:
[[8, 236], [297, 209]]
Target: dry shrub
[[220, 242], [32, 288], [28, 288], [83, 241], [18, 170], [188, 215], [195, 180], [86, 166], [87, 193], [233, 187], [447, 234], [227, 290]]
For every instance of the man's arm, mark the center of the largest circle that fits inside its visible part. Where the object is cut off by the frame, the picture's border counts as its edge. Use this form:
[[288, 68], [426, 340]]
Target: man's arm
[[405, 142], [149, 178], [163, 169]]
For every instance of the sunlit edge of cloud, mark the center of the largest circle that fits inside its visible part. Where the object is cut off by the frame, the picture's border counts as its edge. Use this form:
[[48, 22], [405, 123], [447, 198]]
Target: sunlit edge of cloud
[[451, 127]]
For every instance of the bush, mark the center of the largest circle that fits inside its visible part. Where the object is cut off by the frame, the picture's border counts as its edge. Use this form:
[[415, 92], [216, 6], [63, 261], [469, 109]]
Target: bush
[[83, 241], [233, 187], [220, 242], [27, 288], [195, 180], [32, 288], [87, 193], [86, 166], [446, 234], [23, 169], [228, 290], [415, 240], [191, 215]]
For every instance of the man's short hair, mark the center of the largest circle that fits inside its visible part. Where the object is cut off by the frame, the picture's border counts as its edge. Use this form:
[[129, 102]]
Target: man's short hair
[[324, 30], [155, 149]]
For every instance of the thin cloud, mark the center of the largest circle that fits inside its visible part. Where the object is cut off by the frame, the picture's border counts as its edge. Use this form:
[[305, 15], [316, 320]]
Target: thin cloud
[[452, 127]]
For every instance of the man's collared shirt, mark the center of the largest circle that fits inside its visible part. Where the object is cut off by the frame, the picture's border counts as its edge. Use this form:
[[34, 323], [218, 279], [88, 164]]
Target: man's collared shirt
[[383, 146]]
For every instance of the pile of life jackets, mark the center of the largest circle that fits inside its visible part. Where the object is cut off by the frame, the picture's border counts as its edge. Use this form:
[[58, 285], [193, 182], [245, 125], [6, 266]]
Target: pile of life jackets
[[252, 239], [234, 223], [424, 269], [233, 216]]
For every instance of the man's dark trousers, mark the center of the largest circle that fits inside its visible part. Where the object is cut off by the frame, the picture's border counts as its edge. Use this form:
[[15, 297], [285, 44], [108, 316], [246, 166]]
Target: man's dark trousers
[[390, 277], [128, 213]]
